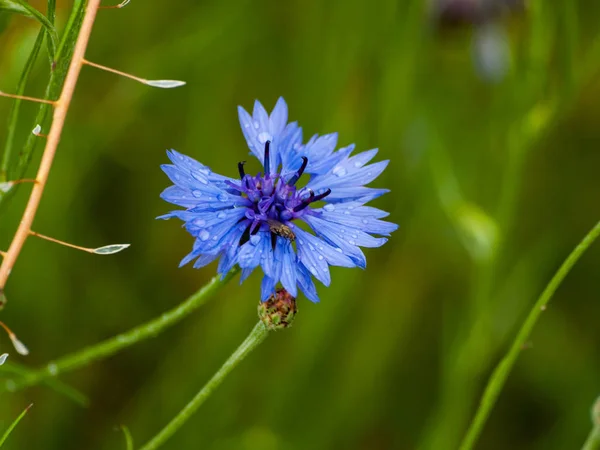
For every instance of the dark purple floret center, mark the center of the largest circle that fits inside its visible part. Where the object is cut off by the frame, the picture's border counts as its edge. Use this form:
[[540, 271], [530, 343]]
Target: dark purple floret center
[[274, 202]]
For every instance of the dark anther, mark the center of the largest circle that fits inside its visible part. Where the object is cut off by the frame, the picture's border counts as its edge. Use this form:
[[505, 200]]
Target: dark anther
[[321, 196], [245, 236], [311, 198], [267, 163], [273, 241], [298, 174], [241, 169]]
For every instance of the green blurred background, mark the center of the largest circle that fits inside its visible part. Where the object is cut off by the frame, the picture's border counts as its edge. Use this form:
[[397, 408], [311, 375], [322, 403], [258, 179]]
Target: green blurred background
[[492, 132]]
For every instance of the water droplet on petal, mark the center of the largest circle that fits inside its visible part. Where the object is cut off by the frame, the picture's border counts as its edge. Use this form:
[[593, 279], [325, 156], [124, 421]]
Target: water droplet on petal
[[365, 221], [197, 193], [223, 197], [264, 137], [254, 239], [351, 242], [347, 213], [221, 215], [329, 207], [357, 164], [199, 222], [320, 257], [339, 171], [256, 124], [246, 125], [204, 235], [296, 146]]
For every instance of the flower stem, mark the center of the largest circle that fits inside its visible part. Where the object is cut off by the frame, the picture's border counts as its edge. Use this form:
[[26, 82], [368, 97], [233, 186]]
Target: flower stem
[[593, 440], [500, 374], [256, 336], [123, 340]]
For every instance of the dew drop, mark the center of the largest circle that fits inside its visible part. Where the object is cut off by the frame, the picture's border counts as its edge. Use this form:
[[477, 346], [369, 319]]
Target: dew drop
[[296, 146], [339, 250], [357, 164], [351, 242], [197, 193], [347, 212], [204, 235], [221, 215], [255, 239], [320, 257], [355, 236], [256, 124], [199, 222], [329, 207], [339, 171], [264, 137], [246, 125], [223, 197], [365, 221]]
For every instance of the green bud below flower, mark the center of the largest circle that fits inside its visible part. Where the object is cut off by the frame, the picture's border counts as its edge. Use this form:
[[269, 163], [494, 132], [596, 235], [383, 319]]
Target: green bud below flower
[[278, 311]]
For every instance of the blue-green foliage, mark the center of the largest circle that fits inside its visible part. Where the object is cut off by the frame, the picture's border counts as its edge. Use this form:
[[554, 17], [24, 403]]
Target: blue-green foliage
[[494, 179]]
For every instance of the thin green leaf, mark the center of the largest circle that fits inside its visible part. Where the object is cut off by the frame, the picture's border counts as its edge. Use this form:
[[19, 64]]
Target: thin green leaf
[[51, 14], [13, 425], [21, 7], [16, 108], [53, 383], [57, 78], [128, 437]]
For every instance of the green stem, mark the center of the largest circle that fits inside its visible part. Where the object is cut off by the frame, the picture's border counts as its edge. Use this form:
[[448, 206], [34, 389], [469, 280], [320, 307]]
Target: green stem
[[593, 440], [500, 374], [256, 336], [123, 340]]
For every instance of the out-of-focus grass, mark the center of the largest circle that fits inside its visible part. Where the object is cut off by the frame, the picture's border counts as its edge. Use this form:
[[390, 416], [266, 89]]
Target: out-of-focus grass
[[492, 183]]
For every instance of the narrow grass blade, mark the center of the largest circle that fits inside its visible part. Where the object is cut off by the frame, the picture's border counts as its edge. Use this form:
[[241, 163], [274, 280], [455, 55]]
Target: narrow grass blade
[[16, 108], [53, 383], [128, 437], [13, 425], [21, 7], [63, 58]]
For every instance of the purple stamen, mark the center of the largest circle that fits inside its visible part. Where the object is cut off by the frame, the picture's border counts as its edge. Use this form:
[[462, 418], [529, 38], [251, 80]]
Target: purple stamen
[[312, 198], [267, 162], [298, 174], [241, 169]]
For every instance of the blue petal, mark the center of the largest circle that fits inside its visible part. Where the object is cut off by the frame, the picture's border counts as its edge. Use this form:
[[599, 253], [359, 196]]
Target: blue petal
[[332, 234], [306, 284], [317, 255], [261, 128], [346, 175], [179, 196], [360, 193], [192, 166], [353, 215], [253, 251], [284, 253], [267, 288]]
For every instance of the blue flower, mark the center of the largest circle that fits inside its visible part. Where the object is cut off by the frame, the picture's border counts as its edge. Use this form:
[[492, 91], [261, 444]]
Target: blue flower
[[252, 221]]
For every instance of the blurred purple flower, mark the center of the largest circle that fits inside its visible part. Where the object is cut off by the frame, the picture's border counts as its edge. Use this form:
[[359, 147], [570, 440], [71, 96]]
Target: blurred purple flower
[[252, 221]]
